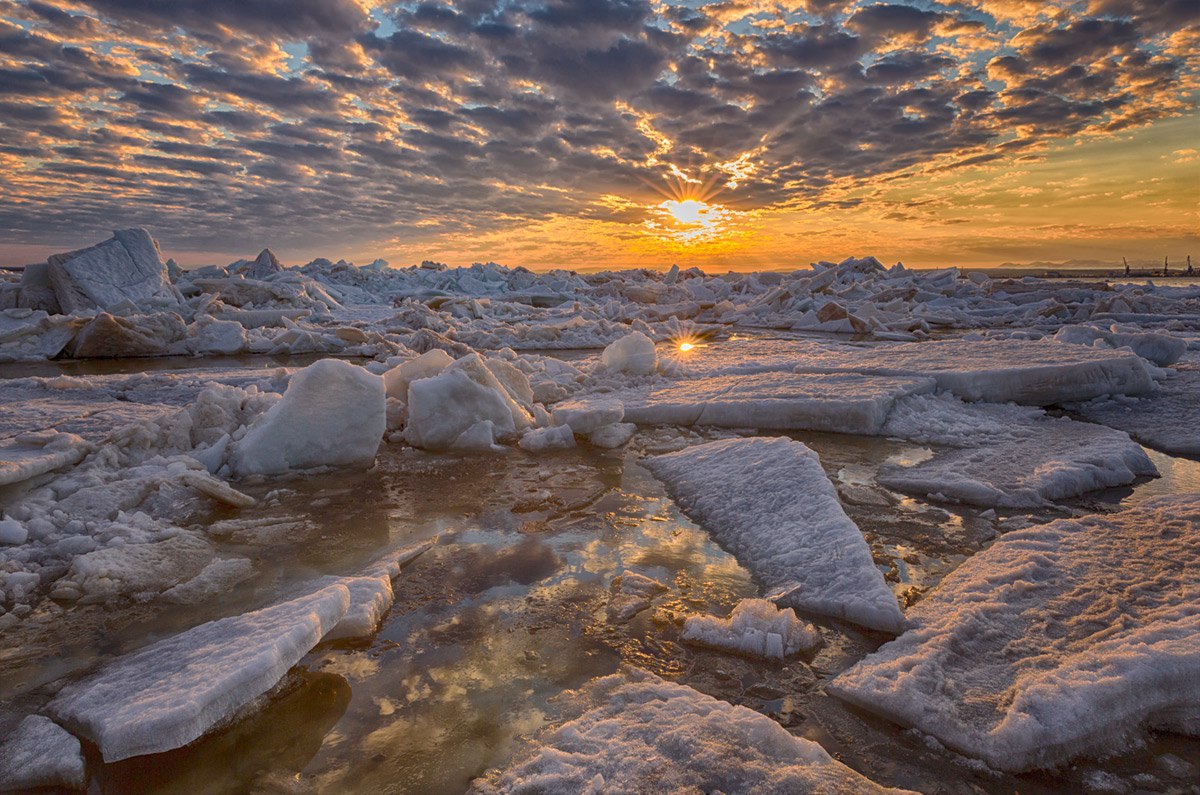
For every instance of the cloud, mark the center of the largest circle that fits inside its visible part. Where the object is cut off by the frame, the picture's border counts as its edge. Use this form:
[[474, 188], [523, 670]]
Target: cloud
[[338, 120]]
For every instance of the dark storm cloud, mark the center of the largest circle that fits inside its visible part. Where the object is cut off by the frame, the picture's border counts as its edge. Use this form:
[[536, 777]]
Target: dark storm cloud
[[210, 120]]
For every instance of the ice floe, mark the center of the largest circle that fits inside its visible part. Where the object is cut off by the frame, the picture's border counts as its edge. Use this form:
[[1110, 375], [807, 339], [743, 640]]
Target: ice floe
[[1006, 456], [769, 502], [771, 401], [1058, 640], [647, 735], [172, 691]]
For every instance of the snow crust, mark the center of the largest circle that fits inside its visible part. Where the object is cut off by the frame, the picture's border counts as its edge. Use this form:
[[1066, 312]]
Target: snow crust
[[1058, 640], [769, 502], [647, 735], [757, 628]]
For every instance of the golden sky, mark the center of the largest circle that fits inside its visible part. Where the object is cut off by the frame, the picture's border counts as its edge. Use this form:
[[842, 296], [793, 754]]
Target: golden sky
[[736, 134]]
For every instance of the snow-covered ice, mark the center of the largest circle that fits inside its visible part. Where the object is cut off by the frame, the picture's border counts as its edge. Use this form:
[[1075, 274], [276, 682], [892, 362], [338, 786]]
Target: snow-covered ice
[[634, 354], [644, 734], [1007, 456], [172, 691], [39, 753], [1061, 639], [770, 503], [756, 627], [126, 267], [1168, 420]]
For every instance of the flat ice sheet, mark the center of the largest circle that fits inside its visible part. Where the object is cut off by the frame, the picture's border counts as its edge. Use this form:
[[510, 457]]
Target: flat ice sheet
[[171, 692], [1039, 373], [776, 401], [769, 502], [1007, 456], [1168, 420], [648, 735], [1060, 639]]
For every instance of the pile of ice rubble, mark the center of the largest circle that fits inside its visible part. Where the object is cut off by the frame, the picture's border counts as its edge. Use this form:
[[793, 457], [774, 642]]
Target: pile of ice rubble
[[118, 298]]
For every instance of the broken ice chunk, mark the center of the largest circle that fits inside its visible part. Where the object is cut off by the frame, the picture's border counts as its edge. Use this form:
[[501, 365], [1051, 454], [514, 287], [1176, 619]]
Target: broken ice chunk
[[1060, 639], [332, 414], [769, 502], [630, 594], [173, 691], [38, 753], [757, 628], [634, 354], [643, 734]]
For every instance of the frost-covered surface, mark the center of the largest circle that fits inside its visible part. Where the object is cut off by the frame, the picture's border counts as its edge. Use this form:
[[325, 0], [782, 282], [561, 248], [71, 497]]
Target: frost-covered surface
[[171, 692], [769, 502], [1060, 639], [39, 753], [647, 735], [756, 627], [1007, 456], [264, 306]]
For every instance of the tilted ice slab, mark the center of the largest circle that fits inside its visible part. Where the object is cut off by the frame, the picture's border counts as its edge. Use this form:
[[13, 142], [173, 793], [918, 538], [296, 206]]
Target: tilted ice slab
[[769, 503], [1167, 420], [777, 401], [30, 455], [1008, 456], [126, 267], [173, 691], [648, 735], [1058, 640], [1039, 373]]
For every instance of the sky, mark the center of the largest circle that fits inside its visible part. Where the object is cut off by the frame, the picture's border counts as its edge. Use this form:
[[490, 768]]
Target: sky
[[738, 134]]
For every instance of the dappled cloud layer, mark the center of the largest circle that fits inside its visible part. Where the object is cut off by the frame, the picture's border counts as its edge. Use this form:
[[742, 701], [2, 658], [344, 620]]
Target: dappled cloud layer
[[633, 129]]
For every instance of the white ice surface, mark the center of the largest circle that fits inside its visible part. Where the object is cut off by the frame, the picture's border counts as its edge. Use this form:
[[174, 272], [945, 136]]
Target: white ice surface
[[332, 414], [126, 267], [1168, 420], [646, 735], [633, 354], [756, 627], [1006, 456], [39, 753], [1039, 373], [1060, 639], [542, 440], [772, 401], [769, 502], [173, 691], [30, 455], [442, 408]]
